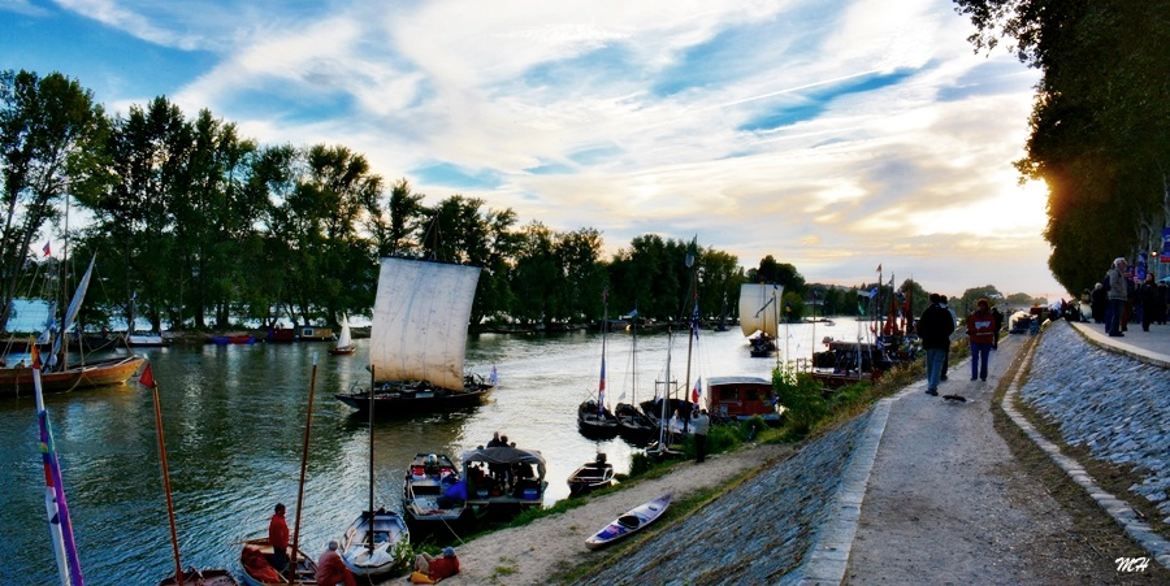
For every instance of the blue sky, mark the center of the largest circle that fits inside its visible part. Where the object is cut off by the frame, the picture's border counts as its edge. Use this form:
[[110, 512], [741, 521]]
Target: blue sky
[[833, 135]]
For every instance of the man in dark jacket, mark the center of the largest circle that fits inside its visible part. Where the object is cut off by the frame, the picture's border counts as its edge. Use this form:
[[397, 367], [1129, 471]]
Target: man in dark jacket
[[934, 329]]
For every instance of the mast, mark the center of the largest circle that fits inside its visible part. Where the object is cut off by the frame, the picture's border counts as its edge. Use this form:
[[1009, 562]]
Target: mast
[[370, 533], [148, 380], [292, 566], [694, 316], [634, 359], [666, 387], [604, 331]]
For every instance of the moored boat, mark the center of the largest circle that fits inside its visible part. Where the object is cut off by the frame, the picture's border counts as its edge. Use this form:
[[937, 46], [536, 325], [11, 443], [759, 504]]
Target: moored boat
[[423, 503], [197, 577], [632, 521], [591, 476], [759, 312], [146, 340], [741, 398], [503, 481], [100, 373], [345, 345], [258, 570], [373, 555], [596, 422]]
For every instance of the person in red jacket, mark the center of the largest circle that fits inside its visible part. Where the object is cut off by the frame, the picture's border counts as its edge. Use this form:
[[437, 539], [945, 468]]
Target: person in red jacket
[[278, 537], [437, 568], [981, 332], [331, 571]]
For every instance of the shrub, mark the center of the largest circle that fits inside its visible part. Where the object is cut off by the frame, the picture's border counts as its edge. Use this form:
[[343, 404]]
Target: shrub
[[801, 396]]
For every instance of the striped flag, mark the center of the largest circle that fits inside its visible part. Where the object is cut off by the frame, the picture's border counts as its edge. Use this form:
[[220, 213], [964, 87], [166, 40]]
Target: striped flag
[[48, 251], [601, 388], [697, 391]]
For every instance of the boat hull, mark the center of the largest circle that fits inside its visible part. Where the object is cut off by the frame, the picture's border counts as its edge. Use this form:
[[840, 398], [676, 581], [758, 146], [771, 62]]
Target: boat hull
[[590, 477], [389, 530], [306, 567], [409, 402], [115, 371], [343, 351], [631, 522]]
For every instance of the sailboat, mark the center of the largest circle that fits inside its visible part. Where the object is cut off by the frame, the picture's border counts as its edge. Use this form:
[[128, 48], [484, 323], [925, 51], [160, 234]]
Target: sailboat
[[755, 315], [369, 544], [633, 425], [418, 339], [345, 345], [662, 448], [60, 376], [594, 419]]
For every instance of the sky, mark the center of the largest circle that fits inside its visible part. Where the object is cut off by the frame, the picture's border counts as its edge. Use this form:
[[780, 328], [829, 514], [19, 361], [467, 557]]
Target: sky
[[834, 135]]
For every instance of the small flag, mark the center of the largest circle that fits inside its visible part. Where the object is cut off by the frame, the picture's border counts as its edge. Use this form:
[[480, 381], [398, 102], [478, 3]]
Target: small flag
[[879, 269], [697, 391], [147, 377], [46, 249], [873, 292], [494, 377]]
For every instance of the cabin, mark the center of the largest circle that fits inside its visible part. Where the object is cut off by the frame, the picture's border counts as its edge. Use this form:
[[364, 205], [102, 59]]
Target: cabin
[[741, 398], [310, 333]]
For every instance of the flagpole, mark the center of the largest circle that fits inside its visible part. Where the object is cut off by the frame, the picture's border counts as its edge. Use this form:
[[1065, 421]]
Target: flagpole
[[166, 473], [292, 567]]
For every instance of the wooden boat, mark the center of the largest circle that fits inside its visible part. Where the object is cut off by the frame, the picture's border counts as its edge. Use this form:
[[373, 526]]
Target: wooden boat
[[279, 335], [591, 476], [633, 425], [113, 371], [389, 530], [596, 422], [759, 312], [418, 340], [422, 505], [232, 338], [741, 398], [258, 572], [196, 577], [147, 340], [492, 491], [345, 345], [629, 523]]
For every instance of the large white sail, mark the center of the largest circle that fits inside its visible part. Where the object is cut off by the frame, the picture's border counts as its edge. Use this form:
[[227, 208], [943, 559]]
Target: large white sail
[[345, 340], [420, 321], [752, 299]]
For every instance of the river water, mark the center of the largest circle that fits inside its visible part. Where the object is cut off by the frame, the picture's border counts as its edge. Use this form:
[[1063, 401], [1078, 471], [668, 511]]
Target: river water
[[234, 419]]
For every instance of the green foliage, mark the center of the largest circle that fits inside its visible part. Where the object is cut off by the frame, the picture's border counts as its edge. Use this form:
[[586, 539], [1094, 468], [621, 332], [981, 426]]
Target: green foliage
[[801, 396]]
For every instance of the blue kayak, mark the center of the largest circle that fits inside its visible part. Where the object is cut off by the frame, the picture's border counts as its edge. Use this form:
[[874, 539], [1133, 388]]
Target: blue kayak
[[630, 522]]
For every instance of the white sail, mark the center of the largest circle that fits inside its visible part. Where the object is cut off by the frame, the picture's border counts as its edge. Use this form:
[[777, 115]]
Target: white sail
[[753, 316], [420, 321], [344, 340]]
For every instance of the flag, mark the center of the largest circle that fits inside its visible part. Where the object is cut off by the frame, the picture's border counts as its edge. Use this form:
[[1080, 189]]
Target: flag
[[35, 360], [873, 292], [494, 377], [147, 377], [601, 388], [879, 269], [697, 391], [46, 249]]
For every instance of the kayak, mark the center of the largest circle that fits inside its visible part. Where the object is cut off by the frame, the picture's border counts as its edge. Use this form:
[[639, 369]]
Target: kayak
[[630, 522]]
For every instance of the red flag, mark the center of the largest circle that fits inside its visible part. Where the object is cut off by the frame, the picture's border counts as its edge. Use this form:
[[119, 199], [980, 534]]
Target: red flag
[[147, 377], [46, 249]]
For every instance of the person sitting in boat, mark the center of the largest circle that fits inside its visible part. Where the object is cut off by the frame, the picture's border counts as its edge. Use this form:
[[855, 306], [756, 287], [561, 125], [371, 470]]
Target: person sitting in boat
[[278, 538], [454, 495], [431, 466], [331, 571], [429, 569]]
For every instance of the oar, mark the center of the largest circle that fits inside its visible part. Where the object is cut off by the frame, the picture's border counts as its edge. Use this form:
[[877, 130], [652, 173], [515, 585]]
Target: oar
[[292, 567]]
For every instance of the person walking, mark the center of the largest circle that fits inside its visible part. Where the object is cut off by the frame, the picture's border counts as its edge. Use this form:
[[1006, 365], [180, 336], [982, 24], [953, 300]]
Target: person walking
[[981, 334], [1118, 293], [934, 329], [701, 425]]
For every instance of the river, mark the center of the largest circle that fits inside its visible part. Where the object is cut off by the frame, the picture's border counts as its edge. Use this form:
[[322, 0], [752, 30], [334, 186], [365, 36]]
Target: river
[[234, 421]]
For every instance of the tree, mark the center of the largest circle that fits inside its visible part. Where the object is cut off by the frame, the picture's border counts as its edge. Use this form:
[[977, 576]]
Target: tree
[[50, 136]]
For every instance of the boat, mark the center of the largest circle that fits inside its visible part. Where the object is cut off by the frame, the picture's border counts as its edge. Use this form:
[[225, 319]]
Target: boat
[[345, 345], [146, 340], [664, 447], [844, 363], [503, 481], [315, 334], [196, 577], [389, 530], [738, 398], [232, 338], [629, 523], [426, 478], [633, 425], [594, 419], [418, 339], [279, 335], [758, 321], [591, 476], [60, 376], [257, 571]]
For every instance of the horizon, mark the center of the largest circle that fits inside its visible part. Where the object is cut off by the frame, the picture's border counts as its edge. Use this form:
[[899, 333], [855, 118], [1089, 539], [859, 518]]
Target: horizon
[[834, 138]]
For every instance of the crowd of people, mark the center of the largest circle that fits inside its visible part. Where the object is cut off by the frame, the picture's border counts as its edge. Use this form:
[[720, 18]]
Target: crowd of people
[[1126, 295]]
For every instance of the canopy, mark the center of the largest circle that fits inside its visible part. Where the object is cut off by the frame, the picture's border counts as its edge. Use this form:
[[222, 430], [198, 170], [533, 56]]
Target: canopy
[[752, 299], [421, 312], [505, 455]]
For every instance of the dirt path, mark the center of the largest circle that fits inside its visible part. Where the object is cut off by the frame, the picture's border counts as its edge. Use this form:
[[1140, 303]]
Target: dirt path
[[529, 554]]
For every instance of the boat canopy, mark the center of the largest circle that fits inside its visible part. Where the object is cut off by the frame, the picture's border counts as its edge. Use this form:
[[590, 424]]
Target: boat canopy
[[504, 455], [419, 330], [753, 317]]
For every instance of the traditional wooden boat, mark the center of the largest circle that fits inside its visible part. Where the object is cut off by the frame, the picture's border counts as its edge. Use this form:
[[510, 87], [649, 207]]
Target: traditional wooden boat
[[196, 577], [741, 398], [423, 504], [591, 476], [759, 312], [232, 338], [633, 425], [596, 422], [629, 523], [258, 571], [147, 340], [418, 340], [100, 373], [345, 345], [503, 481], [373, 555]]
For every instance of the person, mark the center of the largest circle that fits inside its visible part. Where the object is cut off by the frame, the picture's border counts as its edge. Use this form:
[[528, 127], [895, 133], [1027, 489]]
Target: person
[[429, 569], [934, 329], [702, 424], [1150, 298], [998, 317], [454, 493], [981, 335], [946, 363], [1099, 302], [331, 571], [495, 441], [278, 537], [1118, 293]]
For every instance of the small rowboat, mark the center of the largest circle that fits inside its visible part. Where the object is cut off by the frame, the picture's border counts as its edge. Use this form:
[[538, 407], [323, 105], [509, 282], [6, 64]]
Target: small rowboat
[[389, 530], [196, 577], [632, 521], [257, 571], [591, 476]]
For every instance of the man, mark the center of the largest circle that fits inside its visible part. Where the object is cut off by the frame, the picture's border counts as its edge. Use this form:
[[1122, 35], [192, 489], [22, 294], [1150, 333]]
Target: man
[[1118, 293], [701, 425], [946, 363], [278, 537], [981, 333], [998, 317], [934, 329], [435, 568], [331, 571]]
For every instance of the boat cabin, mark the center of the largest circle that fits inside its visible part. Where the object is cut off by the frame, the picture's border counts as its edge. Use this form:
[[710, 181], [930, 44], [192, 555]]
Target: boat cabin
[[312, 333], [741, 398], [504, 480]]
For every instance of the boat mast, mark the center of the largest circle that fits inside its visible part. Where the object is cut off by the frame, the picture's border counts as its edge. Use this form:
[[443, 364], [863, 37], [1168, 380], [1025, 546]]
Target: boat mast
[[604, 331], [665, 389], [292, 567], [166, 474], [634, 360], [694, 316], [370, 532]]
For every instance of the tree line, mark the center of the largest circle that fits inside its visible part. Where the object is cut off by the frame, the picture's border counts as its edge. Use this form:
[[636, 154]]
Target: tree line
[[1100, 124]]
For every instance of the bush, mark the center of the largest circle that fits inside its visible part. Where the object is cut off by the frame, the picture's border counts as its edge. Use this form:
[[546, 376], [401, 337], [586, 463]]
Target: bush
[[801, 396]]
